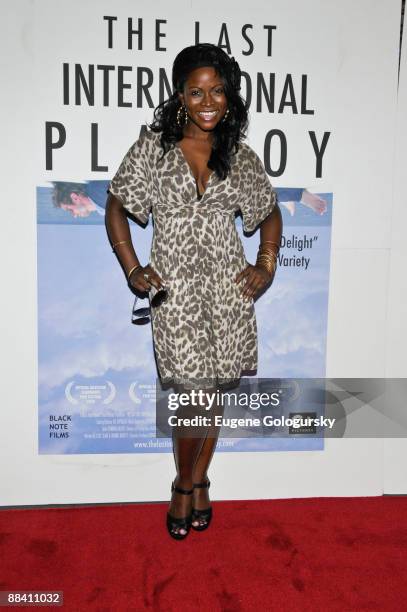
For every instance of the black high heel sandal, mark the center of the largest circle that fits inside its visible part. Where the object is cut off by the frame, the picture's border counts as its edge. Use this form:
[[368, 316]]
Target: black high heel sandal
[[174, 523], [202, 515]]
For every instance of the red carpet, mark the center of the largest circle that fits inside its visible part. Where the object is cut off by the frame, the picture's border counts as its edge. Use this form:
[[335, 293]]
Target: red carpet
[[301, 554]]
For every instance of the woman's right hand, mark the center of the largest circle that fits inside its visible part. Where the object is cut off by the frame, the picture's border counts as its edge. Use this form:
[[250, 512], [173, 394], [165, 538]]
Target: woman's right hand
[[137, 280]]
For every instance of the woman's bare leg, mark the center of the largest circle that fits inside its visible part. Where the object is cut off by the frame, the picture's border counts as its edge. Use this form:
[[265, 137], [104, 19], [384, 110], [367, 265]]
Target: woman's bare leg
[[201, 495], [186, 451], [187, 445]]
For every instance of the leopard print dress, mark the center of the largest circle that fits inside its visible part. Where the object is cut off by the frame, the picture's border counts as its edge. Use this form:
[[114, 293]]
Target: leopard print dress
[[204, 334]]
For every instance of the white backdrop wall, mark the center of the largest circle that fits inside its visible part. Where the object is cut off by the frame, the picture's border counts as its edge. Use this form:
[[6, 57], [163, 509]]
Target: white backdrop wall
[[355, 46], [395, 450]]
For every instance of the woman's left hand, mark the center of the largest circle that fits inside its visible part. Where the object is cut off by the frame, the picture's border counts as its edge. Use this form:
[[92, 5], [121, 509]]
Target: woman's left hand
[[256, 278]]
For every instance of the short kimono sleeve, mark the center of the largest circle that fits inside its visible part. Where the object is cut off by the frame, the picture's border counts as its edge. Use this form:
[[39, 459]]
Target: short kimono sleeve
[[132, 184], [260, 197]]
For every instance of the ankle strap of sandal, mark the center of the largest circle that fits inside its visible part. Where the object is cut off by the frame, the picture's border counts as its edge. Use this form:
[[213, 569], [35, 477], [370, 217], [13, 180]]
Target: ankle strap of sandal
[[182, 491], [202, 485]]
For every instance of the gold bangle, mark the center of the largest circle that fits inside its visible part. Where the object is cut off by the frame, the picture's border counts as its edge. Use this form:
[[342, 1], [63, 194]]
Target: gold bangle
[[267, 252], [270, 242], [267, 256], [267, 260], [269, 268], [132, 270], [120, 242], [264, 249]]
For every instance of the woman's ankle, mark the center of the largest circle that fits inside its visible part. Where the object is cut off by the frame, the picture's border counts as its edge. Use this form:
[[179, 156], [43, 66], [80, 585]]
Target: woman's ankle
[[200, 478]]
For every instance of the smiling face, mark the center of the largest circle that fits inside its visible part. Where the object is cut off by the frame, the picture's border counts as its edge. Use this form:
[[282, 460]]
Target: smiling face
[[204, 98]]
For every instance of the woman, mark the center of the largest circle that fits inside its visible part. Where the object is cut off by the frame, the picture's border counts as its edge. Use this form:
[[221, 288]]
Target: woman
[[194, 172]]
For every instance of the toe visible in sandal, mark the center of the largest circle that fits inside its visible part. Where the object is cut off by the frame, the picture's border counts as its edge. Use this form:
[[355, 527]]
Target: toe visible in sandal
[[176, 525]]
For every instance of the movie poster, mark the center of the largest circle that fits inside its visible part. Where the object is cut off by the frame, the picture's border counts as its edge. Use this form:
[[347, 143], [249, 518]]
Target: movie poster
[[99, 86]]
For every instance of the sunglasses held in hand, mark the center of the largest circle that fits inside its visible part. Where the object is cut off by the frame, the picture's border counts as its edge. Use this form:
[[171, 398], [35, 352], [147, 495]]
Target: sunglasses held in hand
[[141, 316]]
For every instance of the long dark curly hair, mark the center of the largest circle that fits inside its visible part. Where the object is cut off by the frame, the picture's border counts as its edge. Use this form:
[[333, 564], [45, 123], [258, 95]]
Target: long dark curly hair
[[227, 134]]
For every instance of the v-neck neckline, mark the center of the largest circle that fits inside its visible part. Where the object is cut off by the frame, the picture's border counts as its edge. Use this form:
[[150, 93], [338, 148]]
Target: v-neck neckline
[[200, 196]]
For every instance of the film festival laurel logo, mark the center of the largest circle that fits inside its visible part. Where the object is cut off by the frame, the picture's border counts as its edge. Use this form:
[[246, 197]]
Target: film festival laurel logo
[[140, 393], [87, 396]]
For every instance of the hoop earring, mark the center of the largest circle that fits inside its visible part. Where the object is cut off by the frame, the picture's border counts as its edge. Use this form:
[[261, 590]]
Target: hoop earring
[[225, 116], [181, 109]]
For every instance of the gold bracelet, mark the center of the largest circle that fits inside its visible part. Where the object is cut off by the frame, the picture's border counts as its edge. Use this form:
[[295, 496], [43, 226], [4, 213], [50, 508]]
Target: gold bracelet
[[268, 260], [268, 266], [267, 249], [270, 242], [269, 270], [132, 270], [120, 242], [267, 255]]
